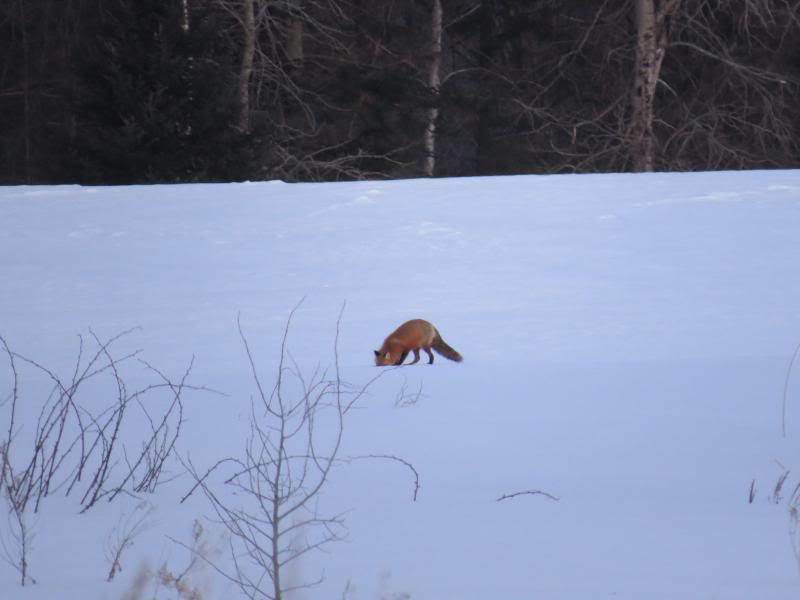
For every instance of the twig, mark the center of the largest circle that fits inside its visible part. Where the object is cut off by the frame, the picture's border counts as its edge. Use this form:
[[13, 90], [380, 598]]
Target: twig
[[529, 493], [395, 458]]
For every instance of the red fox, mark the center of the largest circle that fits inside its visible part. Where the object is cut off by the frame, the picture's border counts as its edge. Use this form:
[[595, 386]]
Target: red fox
[[413, 335]]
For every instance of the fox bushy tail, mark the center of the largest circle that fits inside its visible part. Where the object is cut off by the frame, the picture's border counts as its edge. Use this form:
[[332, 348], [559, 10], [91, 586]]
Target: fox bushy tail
[[441, 347]]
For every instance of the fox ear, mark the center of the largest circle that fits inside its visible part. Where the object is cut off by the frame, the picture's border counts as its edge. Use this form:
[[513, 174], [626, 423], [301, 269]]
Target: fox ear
[[376, 353], [388, 354]]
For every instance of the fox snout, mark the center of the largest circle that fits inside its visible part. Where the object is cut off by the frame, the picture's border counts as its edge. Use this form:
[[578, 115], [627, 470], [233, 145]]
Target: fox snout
[[381, 360]]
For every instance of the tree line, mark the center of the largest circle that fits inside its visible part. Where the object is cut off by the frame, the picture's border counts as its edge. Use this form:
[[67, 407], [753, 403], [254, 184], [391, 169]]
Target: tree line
[[138, 91]]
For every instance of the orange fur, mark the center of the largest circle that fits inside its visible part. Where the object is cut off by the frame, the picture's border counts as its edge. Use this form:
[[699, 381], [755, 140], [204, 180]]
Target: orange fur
[[413, 336]]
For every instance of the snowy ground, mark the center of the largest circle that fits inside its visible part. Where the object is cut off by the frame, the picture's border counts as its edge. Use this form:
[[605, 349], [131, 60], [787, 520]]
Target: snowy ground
[[626, 342]]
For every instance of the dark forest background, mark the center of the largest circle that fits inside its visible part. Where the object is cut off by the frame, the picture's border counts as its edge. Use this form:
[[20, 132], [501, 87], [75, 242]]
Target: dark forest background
[[135, 91]]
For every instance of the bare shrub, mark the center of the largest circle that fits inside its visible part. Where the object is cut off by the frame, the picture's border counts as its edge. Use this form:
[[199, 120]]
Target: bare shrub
[[74, 440], [273, 514], [80, 445]]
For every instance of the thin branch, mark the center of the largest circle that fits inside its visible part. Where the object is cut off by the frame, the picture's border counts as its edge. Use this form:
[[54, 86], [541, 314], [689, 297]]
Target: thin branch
[[529, 493], [786, 389]]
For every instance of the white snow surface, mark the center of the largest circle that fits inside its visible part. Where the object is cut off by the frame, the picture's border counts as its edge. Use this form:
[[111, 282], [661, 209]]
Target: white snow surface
[[626, 343]]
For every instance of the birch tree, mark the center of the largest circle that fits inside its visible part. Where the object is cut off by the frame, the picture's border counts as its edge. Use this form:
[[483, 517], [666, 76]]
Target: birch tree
[[248, 22], [652, 17], [434, 83]]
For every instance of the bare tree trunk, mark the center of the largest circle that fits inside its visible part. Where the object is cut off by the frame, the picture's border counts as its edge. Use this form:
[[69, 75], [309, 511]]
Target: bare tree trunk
[[483, 134], [246, 70], [185, 15], [434, 82], [651, 42], [26, 94], [294, 34], [644, 87]]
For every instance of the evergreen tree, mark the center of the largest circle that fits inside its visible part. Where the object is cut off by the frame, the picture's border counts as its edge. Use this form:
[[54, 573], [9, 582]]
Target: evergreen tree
[[156, 97]]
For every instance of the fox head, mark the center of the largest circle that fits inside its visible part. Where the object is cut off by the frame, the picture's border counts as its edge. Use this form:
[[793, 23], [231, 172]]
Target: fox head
[[381, 360]]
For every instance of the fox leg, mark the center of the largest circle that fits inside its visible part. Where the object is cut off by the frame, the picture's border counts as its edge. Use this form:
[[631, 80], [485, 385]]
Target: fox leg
[[402, 358], [430, 355], [416, 356]]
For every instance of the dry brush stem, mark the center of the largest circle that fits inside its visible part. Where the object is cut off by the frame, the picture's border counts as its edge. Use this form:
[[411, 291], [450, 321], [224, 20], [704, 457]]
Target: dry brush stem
[[792, 508], [201, 553], [405, 398], [397, 459], [528, 493], [127, 530], [794, 522], [184, 585], [16, 541], [776, 496], [789, 370]]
